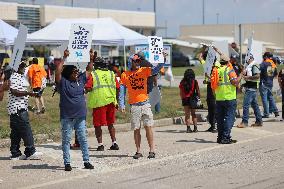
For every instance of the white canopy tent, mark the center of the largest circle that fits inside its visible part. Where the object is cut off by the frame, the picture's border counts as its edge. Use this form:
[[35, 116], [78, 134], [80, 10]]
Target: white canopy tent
[[7, 33], [106, 31]]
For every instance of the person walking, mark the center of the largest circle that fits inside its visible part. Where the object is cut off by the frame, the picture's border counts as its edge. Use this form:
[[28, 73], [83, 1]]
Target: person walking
[[103, 88], [135, 80], [251, 75], [224, 82], [37, 75], [72, 109], [19, 117], [189, 90], [268, 71]]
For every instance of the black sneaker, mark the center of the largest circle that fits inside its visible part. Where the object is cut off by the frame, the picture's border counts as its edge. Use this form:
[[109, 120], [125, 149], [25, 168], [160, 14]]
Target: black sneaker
[[195, 129], [114, 147], [188, 129], [88, 165], [212, 130], [151, 155], [137, 155], [68, 167], [101, 148], [276, 114]]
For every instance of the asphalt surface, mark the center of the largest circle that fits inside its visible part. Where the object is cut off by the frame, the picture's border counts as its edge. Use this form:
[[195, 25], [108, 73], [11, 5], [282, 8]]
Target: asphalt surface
[[183, 160]]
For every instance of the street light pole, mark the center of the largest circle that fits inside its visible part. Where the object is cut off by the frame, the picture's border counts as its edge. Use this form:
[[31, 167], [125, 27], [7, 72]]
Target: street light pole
[[217, 14], [155, 17], [203, 12], [72, 3], [98, 3]]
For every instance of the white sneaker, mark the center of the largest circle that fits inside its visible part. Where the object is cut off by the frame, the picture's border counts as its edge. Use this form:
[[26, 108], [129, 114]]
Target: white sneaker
[[22, 157], [35, 156]]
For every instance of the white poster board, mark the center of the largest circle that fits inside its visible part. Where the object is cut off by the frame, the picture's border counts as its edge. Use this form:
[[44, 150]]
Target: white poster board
[[222, 46], [144, 49], [210, 60], [249, 48], [256, 51], [155, 50], [167, 48], [168, 51], [80, 41], [19, 47]]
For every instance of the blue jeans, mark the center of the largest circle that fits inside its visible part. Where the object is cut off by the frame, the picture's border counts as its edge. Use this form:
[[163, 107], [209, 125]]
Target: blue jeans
[[250, 98], [225, 116], [67, 125], [267, 100]]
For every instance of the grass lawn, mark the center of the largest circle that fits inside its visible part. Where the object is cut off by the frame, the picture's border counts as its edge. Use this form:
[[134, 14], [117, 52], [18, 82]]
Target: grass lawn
[[179, 71]]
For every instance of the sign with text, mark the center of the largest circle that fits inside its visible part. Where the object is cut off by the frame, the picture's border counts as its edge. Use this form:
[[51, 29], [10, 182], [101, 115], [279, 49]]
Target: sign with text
[[155, 50], [80, 41], [19, 46], [210, 60], [167, 48]]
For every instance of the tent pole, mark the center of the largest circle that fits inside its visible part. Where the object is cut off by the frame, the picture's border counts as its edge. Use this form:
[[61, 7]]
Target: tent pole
[[124, 54]]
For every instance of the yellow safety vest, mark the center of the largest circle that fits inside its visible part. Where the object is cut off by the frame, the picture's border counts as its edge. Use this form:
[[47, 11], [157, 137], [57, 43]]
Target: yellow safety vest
[[104, 89], [225, 90]]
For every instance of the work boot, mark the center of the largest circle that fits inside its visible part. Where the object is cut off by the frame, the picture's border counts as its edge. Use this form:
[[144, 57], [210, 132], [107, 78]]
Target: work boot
[[242, 125], [256, 124], [195, 129]]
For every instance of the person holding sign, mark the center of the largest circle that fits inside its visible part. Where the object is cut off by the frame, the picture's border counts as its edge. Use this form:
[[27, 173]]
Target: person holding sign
[[103, 87], [19, 117], [224, 82], [135, 80], [73, 109]]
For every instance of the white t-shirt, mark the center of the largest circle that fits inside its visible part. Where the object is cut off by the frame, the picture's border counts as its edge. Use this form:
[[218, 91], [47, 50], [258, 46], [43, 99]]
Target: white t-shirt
[[18, 82]]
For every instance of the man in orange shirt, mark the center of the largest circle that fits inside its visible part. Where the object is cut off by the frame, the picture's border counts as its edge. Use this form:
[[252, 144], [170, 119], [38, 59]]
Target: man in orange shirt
[[36, 75], [135, 80]]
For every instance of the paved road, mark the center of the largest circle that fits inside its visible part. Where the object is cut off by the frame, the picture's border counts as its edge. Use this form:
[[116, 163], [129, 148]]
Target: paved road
[[183, 161]]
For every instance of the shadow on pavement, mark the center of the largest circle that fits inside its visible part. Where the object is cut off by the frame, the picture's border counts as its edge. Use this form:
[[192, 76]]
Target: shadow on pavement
[[106, 156], [55, 147], [42, 166], [196, 140], [4, 158], [172, 131]]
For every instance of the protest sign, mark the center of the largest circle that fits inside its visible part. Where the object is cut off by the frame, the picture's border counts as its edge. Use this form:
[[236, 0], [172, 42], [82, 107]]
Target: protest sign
[[223, 47], [256, 50], [210, 60], [155, 50], [143, 49], [19, 46], [249, 48], [80, 41], [168, 53]]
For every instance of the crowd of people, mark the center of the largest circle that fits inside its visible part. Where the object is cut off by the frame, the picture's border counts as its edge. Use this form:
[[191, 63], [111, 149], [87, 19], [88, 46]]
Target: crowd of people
[[106, 89]]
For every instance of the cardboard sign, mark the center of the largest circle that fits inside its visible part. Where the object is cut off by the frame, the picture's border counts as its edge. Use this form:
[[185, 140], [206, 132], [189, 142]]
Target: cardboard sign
[[19, 47], [222, 46], [155, 49], [80, 41], [210, 60]]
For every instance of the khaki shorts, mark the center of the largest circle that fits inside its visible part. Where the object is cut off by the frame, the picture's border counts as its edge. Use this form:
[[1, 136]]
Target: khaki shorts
[[141, 113]]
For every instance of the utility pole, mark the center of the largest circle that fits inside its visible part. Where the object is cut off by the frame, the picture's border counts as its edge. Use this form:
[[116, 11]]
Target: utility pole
[[166, 29], [72, 3], [98, 4], [203, 12], [217, 15], [240, 42], [155, 12]]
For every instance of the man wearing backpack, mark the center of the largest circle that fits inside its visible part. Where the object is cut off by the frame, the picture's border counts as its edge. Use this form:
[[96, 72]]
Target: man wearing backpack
[[251, 76]]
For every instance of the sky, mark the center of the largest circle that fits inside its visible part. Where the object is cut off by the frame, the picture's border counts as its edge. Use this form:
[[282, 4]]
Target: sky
[[188, 12]]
